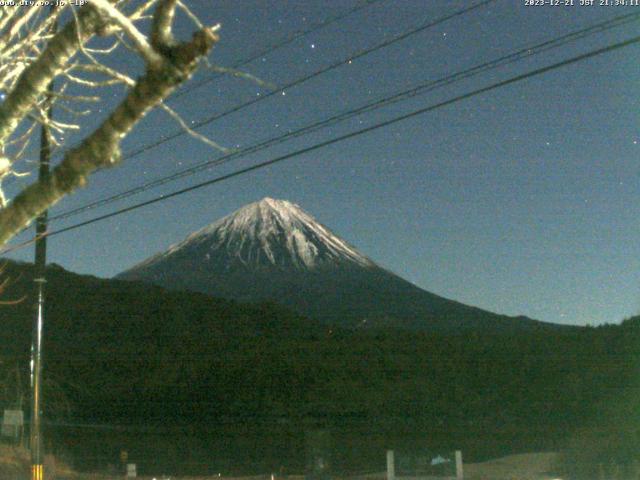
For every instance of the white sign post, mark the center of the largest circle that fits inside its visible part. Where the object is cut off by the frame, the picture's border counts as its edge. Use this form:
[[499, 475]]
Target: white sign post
[[391, 468], [12, 424], [131, 470], [459, 471]]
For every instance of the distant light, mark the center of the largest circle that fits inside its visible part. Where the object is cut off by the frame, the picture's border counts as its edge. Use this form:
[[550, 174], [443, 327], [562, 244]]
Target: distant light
[[313, 45]]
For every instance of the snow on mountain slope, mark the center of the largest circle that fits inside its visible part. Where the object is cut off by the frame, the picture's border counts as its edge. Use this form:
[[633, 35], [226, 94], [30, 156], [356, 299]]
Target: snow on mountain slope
[[273, 250], [268, 233]]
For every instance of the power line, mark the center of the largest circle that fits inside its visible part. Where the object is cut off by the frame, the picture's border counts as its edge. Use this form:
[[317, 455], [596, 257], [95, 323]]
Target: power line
[[299, 81], [270, 49], [356, 133], [525, 52]]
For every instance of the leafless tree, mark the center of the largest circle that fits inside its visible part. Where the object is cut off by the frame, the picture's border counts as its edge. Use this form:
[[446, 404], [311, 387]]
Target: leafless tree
[[33, 54]]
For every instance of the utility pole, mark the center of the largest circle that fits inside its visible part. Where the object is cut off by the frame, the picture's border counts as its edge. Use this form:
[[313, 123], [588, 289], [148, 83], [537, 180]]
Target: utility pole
[[36, 443], [37, 453]]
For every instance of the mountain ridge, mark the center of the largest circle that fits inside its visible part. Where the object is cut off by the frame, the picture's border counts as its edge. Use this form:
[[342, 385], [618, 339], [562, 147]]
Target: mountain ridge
[[274, 250]]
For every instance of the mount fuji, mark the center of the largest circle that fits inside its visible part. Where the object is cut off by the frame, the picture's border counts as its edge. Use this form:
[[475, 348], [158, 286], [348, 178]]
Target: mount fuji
[[273, 250]]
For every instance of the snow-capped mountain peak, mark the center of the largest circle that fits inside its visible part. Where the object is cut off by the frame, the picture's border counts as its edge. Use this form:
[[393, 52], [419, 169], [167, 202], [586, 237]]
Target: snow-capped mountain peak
[[272, 250], [268, 233]]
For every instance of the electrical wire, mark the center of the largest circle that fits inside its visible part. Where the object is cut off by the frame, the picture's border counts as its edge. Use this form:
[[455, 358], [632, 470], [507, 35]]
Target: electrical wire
[[525, 52], [317, 146], [305, 78], [270, 49]]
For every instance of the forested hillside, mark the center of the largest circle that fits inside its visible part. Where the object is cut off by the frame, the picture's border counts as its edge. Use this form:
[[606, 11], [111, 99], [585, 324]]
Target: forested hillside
[[127, 353]]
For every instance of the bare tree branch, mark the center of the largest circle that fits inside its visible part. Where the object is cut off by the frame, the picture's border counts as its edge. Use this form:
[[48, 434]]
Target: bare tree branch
[[152, 57], [34, 79], [4, 283], [161, 35], [101, 148], [198, 136]]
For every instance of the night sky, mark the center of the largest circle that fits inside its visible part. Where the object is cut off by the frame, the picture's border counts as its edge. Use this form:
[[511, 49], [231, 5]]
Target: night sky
[[523, 200]]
